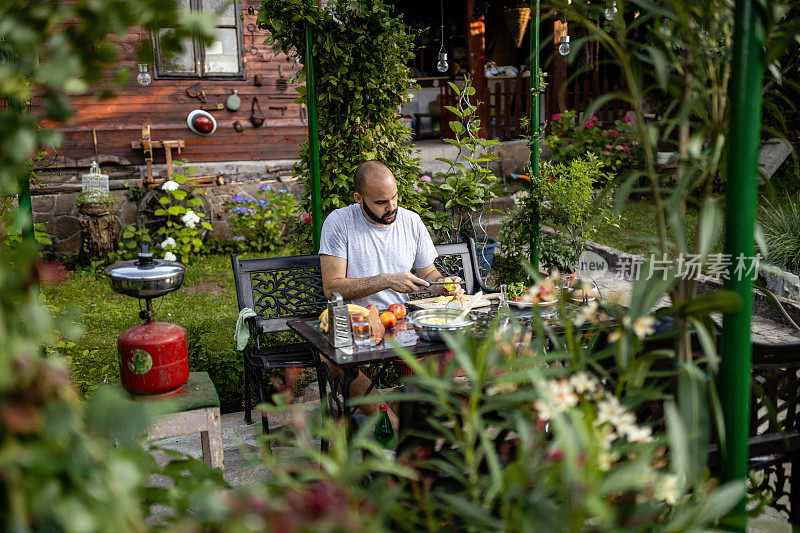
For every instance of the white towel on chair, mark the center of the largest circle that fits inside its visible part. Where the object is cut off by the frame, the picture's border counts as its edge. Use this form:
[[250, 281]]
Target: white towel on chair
[[242, 335]]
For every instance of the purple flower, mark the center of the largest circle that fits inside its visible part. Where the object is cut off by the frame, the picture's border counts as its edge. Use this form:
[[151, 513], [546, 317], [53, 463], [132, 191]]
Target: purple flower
[[238, 238], [282, 190], [557, 116], [425, 177], [263, 187], [416, 188], [626, 118], [588, 124], [262, 202]]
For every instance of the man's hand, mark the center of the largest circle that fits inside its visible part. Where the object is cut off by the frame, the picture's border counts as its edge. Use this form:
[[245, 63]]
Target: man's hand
[[405, 282]]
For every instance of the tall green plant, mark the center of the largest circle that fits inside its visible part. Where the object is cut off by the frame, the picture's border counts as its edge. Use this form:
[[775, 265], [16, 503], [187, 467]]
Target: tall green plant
[[360, 52], [467, 184]]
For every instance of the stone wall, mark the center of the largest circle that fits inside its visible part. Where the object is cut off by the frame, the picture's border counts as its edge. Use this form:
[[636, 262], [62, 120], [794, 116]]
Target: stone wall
[[58, 213]]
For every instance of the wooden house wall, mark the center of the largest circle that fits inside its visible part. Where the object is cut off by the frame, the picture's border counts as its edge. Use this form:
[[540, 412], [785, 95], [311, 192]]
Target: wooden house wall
[[164, 105]]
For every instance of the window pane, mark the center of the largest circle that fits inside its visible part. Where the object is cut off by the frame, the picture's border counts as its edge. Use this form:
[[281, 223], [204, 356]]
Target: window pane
[[222, 55], [223, 8], [182, 61]]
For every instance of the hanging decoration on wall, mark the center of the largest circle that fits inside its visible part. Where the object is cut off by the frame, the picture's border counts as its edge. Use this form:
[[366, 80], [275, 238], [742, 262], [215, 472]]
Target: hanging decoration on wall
[[517, 17], [201, 122], [233, 102], [563, 44], [442, 65], [611, 11]]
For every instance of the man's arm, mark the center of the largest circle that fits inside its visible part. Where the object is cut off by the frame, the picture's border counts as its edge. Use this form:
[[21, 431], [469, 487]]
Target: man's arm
[[334, 279], [431, 273]]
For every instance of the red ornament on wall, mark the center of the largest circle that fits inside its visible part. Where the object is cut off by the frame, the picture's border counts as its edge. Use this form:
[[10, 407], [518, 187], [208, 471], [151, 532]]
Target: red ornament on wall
[[201, 122]]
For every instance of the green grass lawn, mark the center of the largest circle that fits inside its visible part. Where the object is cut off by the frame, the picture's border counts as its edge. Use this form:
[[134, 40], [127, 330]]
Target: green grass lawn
[[638, 230], [205, 306]]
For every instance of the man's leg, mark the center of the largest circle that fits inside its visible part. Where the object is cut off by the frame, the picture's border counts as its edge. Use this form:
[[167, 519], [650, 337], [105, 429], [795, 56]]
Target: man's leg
[[358, 388]]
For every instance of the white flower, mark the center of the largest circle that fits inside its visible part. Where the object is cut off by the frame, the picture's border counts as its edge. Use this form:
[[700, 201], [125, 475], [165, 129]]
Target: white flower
[[636, 433], [586, 313], [612, 412], [169, 256], [583, 383], [561, 394], [169, 242], [667, 489], [642, 326], [170, 185], [605, 460], [190, 219], [544, 409]]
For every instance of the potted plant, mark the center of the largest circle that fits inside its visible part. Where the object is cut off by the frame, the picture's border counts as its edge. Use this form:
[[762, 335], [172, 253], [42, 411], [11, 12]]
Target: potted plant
[[94, 204], [467, 184]]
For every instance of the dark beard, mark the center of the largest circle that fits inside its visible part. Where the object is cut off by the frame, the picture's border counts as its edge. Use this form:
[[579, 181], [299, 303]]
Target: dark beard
[[379, 220]]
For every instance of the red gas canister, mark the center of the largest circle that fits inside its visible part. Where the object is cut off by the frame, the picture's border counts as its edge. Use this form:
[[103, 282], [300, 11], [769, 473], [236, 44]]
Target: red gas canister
[[153, 359]]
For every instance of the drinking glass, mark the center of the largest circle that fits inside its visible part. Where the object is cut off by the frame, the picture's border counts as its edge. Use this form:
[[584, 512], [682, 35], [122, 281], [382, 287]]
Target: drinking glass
[[362, 332]]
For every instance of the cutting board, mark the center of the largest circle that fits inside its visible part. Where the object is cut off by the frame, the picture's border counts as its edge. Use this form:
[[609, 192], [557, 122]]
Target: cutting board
[[430, 303]]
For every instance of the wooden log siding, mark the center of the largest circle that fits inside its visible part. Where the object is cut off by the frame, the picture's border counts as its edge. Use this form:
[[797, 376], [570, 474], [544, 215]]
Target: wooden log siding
[[164, 105]]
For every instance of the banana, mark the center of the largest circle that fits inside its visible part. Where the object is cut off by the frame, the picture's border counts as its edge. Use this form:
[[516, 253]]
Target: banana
[[351, 308]]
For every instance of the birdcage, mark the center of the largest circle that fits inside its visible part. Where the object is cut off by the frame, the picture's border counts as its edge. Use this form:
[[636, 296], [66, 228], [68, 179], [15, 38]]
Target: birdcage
[[94, 185]]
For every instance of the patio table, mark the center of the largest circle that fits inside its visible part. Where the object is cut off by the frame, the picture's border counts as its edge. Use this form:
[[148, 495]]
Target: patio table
[[349, 359]]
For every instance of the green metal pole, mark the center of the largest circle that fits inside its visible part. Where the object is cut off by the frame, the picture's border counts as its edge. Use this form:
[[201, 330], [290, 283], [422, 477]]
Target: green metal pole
[[313, 139], [534, 50], [741, 196]]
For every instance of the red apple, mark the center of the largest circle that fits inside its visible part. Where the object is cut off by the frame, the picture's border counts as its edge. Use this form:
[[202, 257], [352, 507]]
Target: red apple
[[399, 310], [388, 319]]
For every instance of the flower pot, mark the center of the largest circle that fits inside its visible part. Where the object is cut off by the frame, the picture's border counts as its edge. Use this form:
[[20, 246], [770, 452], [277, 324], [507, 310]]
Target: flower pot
[[485, 250]]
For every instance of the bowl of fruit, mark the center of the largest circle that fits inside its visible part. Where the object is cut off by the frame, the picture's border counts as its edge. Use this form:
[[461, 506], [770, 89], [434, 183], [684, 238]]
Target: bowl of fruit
[[543, 296]]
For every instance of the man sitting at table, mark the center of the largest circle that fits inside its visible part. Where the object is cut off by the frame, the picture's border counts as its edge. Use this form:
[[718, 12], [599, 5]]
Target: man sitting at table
[[368, 249]]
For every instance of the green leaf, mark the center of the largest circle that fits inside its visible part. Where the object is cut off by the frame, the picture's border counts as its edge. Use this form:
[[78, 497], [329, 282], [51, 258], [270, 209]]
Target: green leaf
[[714, 302], [179, 194], [163, 200], [708, 227], [693, 407], [175, 210]]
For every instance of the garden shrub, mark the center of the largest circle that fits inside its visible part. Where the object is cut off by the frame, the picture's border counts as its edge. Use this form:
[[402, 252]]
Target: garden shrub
[[781, 228], [615, 147], [360, 54], [566, 199], [261, 224]]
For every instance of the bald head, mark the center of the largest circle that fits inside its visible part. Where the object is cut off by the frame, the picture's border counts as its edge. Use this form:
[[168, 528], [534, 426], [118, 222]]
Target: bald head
[[371, 173]]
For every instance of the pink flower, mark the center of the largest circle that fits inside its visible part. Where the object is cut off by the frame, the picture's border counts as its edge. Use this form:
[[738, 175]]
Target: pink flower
[[557, 116], [626, 149], [613, 133], [608, 146], [626, 118], [618, 147], [416, 188], [606, 152], [594, 118], [603, 133], [425, 177], [635, 143], [588, 124]]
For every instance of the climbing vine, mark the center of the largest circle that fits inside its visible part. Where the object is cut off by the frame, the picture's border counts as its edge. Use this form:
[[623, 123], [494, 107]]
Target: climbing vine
[[360, 51]]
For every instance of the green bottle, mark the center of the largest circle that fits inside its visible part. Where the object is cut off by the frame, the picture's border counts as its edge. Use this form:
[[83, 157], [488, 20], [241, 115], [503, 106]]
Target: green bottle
[[384, 432]]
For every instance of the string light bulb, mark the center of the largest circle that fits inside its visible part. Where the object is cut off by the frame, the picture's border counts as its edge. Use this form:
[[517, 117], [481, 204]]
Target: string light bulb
[[564, 47], [611, 12], [143, 77], [442, 65]]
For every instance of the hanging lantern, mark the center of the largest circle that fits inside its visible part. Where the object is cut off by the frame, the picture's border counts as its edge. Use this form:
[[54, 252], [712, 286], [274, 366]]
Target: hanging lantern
[[201, 122], [517, 18]]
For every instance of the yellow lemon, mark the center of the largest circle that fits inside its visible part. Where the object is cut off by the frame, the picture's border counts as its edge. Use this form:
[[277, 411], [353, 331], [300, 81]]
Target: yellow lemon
[[450, 286]]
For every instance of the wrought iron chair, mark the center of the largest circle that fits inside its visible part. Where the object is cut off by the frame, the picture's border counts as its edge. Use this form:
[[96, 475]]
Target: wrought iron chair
[[277, 289], [774, 444]]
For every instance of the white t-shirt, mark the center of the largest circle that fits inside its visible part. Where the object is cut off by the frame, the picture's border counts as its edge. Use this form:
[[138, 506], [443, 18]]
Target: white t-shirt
[[371, 250]]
